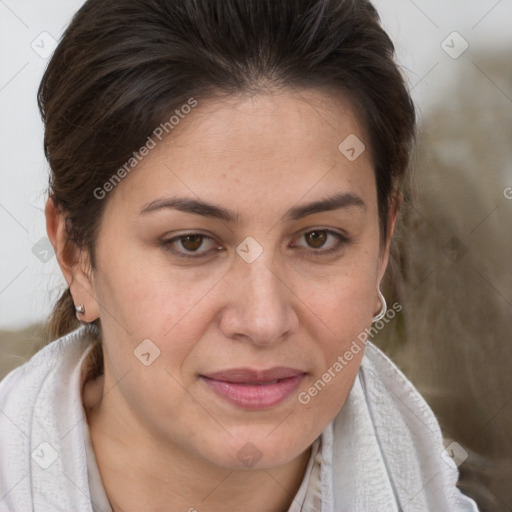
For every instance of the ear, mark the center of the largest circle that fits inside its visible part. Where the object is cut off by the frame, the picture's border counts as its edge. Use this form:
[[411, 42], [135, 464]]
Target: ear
[[396, 202], [73, 262]]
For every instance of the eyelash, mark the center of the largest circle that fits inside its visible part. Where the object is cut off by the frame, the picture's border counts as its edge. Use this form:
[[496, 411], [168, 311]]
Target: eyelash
[[342, 239]]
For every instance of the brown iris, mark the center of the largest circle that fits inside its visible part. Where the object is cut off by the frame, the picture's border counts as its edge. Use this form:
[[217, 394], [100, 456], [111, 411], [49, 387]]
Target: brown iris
[[191, 242], [316, 238]]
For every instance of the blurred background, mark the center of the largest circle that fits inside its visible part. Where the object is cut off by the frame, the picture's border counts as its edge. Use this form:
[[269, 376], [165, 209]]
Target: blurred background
[[451, 255]]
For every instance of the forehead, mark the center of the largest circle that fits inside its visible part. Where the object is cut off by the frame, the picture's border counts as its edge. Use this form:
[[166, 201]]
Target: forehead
[[279, 146]]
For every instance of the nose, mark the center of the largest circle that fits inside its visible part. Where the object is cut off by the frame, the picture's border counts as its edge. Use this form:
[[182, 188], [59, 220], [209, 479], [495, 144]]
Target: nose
[[260, 306]]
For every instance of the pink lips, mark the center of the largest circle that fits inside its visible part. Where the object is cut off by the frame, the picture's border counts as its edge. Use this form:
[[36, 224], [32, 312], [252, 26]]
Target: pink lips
[[253, 389]]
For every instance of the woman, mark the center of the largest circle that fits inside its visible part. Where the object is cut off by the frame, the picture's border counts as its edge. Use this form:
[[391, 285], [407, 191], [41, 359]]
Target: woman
[[225, 183]]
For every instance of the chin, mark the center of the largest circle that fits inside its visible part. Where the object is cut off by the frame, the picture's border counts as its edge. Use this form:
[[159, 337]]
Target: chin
[[254, 451]]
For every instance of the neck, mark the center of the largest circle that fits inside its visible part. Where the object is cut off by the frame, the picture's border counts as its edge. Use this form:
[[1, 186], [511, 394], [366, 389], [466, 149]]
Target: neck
[[140, 472]]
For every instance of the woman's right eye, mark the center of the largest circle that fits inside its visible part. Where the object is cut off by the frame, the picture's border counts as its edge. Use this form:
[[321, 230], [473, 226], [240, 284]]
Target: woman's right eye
[[188, 245]]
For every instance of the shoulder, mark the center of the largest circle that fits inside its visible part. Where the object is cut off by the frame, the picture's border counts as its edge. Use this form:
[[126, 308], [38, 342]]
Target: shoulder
[[58, 357], [403, 445], [382, 378], [41, 382], [40, 435]]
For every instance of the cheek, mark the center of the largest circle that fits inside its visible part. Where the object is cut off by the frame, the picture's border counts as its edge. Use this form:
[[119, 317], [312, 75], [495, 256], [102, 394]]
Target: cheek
[[343, 299], [336, 332], [149, 300], [340, 311], [343, 315], [140, 301]]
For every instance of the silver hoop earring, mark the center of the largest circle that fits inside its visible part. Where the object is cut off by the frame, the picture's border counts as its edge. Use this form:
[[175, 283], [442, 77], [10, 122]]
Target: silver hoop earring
[[80, 309], [382, 313]]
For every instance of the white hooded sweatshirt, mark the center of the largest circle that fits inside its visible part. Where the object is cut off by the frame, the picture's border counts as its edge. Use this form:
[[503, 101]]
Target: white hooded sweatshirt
[[383, 452]]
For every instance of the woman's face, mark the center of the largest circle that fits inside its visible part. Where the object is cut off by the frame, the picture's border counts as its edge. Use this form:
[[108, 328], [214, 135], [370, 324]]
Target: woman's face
[[217, 249]]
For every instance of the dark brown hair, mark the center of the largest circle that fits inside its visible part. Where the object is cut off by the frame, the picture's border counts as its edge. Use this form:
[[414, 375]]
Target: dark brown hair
[[123, 66]]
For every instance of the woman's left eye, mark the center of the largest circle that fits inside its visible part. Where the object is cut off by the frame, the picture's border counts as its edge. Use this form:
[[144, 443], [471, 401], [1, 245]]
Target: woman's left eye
[[318, 239]]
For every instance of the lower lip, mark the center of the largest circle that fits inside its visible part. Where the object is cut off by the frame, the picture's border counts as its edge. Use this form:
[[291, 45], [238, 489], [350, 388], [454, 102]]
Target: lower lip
[[251, 396]]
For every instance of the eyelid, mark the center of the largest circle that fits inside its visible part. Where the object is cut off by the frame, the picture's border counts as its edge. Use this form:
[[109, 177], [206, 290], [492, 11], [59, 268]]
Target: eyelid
[[166, 243], [342, 237], [340, 232]]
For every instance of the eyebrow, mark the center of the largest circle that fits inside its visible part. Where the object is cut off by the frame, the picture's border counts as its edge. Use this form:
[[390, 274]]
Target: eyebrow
[[199, 207]]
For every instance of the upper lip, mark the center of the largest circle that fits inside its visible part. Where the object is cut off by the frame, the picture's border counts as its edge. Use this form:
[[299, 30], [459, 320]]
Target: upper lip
[[247, 375]]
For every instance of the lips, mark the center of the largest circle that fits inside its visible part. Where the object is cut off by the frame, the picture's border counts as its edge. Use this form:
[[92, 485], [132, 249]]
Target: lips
[[248, 376], [254, 389]]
